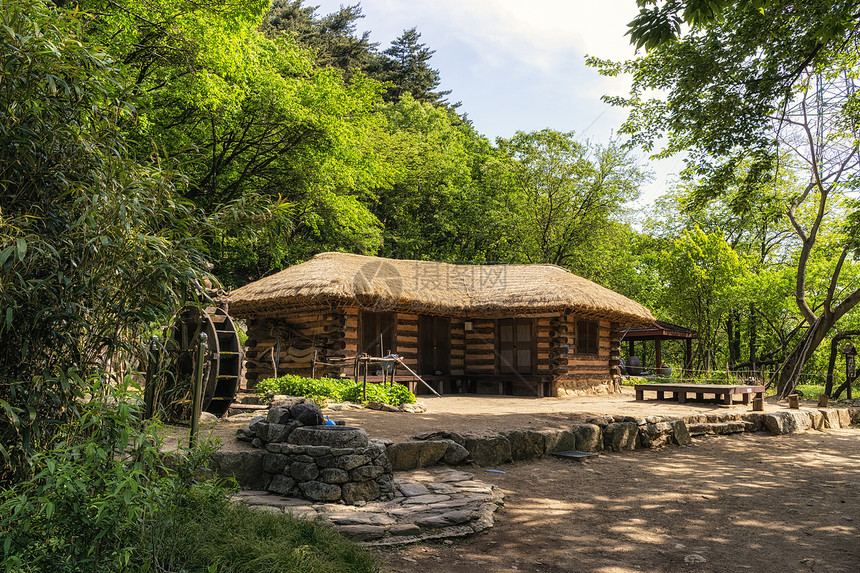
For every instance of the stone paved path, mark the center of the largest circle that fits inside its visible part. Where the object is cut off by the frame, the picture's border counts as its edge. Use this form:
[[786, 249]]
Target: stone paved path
[[434, 503]]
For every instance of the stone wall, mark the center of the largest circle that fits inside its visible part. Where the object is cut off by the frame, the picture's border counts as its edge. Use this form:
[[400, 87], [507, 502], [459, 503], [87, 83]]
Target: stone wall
[[324, 473], [287, 468], [566, 387]]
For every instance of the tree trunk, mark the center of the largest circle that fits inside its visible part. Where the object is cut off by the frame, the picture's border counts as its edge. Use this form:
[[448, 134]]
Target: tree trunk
[[753, 334], [789, 372], [730, 334]]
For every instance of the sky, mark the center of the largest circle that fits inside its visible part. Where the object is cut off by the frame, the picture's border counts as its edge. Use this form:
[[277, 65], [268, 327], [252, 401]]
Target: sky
[[520, 66]]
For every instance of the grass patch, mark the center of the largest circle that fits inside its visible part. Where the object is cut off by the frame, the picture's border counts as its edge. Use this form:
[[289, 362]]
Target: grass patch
[[237, 539], [335, 389]]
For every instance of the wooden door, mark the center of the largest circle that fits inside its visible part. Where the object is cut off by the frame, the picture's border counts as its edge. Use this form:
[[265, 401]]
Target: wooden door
[[434, 345], [516, 346], [377, 333]]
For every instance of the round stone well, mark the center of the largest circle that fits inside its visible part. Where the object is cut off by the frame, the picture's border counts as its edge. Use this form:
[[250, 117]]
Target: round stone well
[[328, 463]]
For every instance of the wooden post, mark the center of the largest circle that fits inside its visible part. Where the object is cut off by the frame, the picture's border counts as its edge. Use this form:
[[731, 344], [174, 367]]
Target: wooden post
[[688, 355], [658, 349], [151, 371], [631, 346], [314, 366], [364, 387], [197, 401]]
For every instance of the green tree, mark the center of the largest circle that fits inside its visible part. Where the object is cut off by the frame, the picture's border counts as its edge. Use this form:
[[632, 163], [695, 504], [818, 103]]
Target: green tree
[[746, 84], [756, 226], [253, 124], [564, 194], [332, 37], [699, 271], [423, 211], [94, 247], [406, 66]]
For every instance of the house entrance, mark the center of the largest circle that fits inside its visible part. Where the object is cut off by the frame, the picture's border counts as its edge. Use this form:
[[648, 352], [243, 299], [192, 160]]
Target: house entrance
[[434, 345], [516, 346], [377, 333]]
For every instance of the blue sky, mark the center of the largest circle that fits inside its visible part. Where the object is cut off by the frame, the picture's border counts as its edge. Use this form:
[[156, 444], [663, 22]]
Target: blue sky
[[520, 66]]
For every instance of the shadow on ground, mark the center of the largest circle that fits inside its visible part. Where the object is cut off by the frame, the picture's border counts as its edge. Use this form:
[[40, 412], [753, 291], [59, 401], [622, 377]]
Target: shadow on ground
[[743, 503]]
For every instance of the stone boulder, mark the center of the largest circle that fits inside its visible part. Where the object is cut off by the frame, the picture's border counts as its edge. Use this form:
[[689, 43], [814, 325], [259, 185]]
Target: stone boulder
[[787, 422], [279, 415], [441, 436], [835, 418], [319, 491], [656, 435], [455, 454], [620, 436], [307, 413], [680, 433], [589, 437], [490, 450], [246, 467], [363, 491], [526, 444], [332, 436], [558, 441], [412, 455]]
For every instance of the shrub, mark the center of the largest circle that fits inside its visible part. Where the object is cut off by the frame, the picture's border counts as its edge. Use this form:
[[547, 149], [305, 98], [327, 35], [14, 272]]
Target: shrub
[[100, 484], [337, 390], [104, 499]]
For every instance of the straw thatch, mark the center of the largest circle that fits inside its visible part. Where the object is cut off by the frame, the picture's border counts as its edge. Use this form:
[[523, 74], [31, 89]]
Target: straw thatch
[[426, 287]]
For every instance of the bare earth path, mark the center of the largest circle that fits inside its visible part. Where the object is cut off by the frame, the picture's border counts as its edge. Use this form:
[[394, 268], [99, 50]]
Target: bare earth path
[[751, 502]]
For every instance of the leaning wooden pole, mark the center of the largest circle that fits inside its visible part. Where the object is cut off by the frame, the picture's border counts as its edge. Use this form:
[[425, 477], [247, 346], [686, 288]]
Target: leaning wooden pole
[[419, 377]]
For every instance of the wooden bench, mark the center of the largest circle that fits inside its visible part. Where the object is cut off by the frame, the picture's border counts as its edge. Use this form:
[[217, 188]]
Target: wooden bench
[[720, 391]]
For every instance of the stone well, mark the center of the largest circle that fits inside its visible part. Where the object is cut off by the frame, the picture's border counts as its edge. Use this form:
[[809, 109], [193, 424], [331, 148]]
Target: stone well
[[328, 463]]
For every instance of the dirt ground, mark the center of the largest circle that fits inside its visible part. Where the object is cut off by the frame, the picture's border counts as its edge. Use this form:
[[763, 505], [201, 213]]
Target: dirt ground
[[750, 502]]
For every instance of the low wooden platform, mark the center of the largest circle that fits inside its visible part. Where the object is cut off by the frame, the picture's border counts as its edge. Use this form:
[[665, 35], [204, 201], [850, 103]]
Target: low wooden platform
[[724, 392]]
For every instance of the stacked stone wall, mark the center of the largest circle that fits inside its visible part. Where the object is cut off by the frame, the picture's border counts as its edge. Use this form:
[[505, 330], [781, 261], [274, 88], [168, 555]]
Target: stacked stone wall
[[326, 474]]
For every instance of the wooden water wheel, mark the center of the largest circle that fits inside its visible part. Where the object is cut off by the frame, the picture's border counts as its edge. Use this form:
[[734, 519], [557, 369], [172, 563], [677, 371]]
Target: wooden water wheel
[[222, 362]]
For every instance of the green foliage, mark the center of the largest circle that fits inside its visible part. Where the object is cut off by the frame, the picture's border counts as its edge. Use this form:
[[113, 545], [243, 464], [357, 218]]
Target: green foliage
[[338, 390], [100, 494], [79, 221], [331, 37], [700, 270], [253, 125], [748, 84], [394, 394], [244, 540], [104, 498], [565, 194], [406, 66]]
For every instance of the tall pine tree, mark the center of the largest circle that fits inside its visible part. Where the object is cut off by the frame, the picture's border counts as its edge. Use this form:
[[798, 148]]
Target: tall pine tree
[[406, 66]]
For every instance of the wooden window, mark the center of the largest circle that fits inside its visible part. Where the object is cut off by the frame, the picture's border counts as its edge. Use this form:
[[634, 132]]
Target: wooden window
[[587, 337], [377, 333]]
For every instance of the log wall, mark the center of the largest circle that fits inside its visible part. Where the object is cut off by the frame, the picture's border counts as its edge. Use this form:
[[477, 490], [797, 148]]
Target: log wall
[[406, 339], [333, 333], [480, 347], [578, 373], [542, 328], [458, 347], [300, 333]]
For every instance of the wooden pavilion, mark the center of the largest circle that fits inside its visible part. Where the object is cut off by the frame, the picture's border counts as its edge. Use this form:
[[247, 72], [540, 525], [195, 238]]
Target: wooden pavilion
[[514, 329], [658, 331]]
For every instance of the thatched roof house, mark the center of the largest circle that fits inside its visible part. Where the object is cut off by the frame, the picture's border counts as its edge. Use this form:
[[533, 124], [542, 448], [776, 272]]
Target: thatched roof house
[[534, 326]]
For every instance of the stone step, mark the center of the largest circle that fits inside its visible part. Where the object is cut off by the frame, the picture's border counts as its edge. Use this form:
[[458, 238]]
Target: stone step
[[236, 408], [720, 428], [430, 504]]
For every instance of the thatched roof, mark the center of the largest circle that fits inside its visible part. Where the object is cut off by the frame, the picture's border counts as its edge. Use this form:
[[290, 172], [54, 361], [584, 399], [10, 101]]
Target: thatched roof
[[426, 287]]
